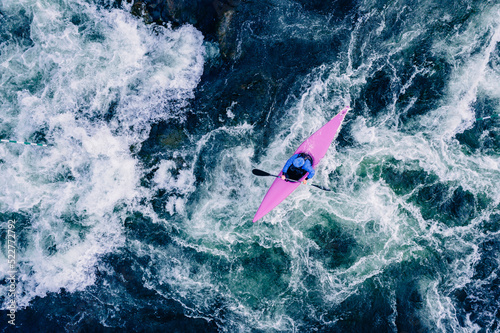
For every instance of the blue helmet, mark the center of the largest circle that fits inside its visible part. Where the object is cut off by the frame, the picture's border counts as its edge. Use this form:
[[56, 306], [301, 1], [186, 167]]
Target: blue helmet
[[298, 162]]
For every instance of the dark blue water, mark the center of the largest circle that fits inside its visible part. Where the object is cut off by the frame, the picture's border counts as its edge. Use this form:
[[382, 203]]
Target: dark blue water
[[137, 217]]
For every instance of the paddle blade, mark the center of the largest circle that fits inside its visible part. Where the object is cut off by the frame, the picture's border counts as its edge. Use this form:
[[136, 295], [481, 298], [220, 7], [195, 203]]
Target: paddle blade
[[258, 172], [321, 187]]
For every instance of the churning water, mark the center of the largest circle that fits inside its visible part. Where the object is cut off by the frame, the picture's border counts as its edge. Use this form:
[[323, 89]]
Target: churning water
[[138, 215]]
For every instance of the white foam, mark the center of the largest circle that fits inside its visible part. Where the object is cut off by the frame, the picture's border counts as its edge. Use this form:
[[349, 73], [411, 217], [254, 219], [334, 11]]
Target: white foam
[[471, 74], [79, 191]]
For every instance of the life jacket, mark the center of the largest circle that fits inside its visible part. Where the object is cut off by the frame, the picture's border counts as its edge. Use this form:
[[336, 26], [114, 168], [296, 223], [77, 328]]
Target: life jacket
[[296, 173]]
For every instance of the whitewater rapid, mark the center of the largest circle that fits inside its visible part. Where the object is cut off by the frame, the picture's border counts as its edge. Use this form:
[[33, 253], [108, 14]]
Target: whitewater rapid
[[90, 82], [141, 205]]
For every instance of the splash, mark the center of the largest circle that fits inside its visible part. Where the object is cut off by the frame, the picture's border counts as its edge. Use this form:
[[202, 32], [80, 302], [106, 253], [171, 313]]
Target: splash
[[91, 81]]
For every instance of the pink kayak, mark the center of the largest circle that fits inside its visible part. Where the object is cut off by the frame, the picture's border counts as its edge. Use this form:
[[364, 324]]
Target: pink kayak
[[316, 146]]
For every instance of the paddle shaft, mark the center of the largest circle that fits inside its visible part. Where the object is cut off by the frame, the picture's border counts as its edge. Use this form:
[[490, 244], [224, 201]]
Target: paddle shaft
[[258, 172]]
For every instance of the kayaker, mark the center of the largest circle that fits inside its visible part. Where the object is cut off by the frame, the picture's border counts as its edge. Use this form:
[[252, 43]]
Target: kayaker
[[297, 166]]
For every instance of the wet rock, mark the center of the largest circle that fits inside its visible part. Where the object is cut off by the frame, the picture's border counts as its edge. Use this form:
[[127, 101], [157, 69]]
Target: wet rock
[[139, 9], [212, 17]]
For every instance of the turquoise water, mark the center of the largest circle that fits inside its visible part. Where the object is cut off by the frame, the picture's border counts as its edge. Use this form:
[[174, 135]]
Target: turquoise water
[[138, 216]]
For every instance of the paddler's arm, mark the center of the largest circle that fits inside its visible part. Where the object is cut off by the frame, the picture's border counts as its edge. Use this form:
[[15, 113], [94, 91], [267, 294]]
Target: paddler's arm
[[308, 167], [287, 165]]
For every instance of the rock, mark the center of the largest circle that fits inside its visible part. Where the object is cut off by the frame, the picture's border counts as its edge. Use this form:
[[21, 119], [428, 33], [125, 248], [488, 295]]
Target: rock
[[212, 17], [139, 9]]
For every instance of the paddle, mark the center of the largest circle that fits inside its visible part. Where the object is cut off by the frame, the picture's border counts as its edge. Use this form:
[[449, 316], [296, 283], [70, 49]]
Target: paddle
[[258, 172]]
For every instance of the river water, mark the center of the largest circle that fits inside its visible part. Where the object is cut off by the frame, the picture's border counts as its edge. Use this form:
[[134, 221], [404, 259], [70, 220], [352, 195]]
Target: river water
[[138, 215]]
